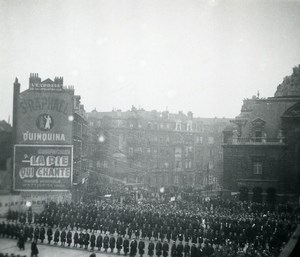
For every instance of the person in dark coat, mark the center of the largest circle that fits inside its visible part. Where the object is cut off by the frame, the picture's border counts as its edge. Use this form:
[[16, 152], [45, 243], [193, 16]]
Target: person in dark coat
[[34, 249], [129, 232], [199, 251], [21, 240], [86, 240], [26, 232], [158, 248], [30, 234], [194, 238], [119, 243], [193, 250], [149, 232], [169, 234], [173, 250], [36, 233], [126, 246], [179, 249], [56, 236], [63, 236], [133, 248], [105, 242], [187, 249], [151, 249], [141, 247], [112, 243], [75, 238], [155, 233], [99, 242], [162, 233], [42, 234], [81, 238], [180, 237], [144, 232], [137, 233], [93, 241], [165, 248], [69, 238], [49, 235]]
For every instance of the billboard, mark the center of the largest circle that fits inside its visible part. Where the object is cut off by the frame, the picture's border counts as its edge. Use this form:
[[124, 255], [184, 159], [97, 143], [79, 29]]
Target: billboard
[[44, 118], [43, 167]]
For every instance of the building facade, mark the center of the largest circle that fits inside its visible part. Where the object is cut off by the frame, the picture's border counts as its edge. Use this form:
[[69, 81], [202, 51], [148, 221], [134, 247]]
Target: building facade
[[5, 157], [157, 149], [49, 137], [261, 146]]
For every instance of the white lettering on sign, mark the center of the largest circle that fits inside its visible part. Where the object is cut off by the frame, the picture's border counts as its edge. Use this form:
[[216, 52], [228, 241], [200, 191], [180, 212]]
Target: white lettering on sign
[[45, 172], [53, 173], [27, 172], [56, 161], [29, 136], [43, 85]]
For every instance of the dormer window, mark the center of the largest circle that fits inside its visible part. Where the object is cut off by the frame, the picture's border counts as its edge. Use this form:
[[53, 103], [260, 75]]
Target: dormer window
[[258, 130], [190, 126]]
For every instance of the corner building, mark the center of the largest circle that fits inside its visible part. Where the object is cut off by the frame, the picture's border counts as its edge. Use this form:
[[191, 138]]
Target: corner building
[[261, 146], [157, 149], [50, 138]]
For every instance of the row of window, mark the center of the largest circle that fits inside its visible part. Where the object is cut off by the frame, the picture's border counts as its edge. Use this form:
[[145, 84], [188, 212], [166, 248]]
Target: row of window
[[177, 138], [179, 165], [188, 150], [178, 125]]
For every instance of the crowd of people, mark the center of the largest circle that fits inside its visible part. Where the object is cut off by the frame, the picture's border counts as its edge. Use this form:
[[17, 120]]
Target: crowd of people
[[178, 228]]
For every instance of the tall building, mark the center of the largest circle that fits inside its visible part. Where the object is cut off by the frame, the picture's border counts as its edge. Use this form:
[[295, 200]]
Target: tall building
[[261, 146], [50, 139], [157, 149]]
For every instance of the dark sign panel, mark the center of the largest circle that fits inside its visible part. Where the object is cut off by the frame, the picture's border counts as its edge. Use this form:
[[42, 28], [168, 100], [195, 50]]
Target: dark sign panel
[[43, 167], [45, 118]]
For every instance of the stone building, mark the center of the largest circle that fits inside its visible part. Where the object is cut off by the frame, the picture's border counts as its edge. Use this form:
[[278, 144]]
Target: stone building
[[157, 149], [261, 145]]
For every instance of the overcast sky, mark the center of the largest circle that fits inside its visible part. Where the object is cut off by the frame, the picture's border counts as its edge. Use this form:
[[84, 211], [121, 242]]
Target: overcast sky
[[203, 56]]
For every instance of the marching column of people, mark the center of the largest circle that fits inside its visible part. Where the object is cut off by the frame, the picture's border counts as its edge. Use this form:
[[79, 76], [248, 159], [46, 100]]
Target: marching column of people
[[90, 240], [207, 228]]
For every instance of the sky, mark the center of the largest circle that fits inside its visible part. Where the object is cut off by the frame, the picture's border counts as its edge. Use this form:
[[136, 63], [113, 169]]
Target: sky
[[179, 55]]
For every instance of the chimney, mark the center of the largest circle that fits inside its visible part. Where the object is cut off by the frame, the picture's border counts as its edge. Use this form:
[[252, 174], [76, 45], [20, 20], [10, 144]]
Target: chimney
[[16, 93], [34, 78]]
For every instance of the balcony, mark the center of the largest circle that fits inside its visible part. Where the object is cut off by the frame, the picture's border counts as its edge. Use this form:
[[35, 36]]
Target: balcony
[[255, 141]]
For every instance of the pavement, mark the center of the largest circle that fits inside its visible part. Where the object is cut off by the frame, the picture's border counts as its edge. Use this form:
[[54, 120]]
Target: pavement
[[10, 246]]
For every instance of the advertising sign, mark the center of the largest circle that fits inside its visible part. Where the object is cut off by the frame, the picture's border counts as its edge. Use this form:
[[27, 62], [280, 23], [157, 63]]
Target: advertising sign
[[44, 118], [43, 167]]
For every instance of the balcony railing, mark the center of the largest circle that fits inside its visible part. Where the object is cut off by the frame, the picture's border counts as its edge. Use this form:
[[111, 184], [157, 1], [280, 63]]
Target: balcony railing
[[255, 141]]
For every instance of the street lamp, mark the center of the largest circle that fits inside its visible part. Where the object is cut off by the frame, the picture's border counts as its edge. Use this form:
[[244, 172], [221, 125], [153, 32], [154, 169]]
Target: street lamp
[[101, 138]]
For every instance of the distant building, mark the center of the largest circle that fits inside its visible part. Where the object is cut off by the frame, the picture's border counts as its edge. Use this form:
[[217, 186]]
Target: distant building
[[261, 146], [157, 149], [5, 157]]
